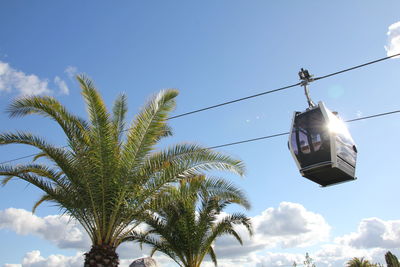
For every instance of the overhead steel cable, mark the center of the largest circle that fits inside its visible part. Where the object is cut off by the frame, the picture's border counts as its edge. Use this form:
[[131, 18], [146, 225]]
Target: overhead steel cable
[[244, 141], [286, 133], [374, 116], [24, 157], [282, 88], [234, 101], [356, 67], [249, 140]]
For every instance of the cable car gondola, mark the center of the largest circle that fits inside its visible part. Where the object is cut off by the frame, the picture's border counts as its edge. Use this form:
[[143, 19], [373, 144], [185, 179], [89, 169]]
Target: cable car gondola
[[321, 144]]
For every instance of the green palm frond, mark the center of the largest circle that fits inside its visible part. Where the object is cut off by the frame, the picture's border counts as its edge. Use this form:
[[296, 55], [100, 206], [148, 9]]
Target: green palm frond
[[190, 159], [40, 170], [38, 156], [61, 157], [213, 256], [226, 226], [221, 188], [74, 127], [120, 108], [38, 181], [148, 127]]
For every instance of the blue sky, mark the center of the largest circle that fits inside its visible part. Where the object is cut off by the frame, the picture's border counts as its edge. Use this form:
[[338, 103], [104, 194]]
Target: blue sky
[[214, 51]]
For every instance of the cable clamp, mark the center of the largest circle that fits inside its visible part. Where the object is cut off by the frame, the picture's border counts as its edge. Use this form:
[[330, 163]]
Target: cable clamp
[[305, 77]]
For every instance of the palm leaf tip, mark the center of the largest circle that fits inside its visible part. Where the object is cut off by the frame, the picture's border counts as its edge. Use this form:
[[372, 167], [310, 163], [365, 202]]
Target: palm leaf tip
[[166, 98], [167, 94], [6, 179], [120, 107], [44, 198], [17, 107], [26, 105], [84, 80]]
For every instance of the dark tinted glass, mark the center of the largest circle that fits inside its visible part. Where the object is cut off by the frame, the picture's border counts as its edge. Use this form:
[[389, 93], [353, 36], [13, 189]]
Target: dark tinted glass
[[313, 141]]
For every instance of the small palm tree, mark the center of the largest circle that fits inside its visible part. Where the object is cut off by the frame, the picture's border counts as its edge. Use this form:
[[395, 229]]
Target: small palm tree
[[186, 228], [107, 177], [308, 262], [359, 262]]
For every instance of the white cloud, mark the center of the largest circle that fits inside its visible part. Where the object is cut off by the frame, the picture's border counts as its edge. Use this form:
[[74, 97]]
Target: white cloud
[[60, 230], [393, 46], [63, 88], [71, 71], [289, 225], [14, 80], [279, 259], [374, 233], [34, 259], [287, 220]]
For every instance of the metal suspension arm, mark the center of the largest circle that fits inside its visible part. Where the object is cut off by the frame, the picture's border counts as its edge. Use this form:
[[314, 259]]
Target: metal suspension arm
[[306, 78]]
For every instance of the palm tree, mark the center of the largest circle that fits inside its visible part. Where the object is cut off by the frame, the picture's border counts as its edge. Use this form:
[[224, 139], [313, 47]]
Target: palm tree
[[106, 176], [359, 262], [391, 260], [186, 228]]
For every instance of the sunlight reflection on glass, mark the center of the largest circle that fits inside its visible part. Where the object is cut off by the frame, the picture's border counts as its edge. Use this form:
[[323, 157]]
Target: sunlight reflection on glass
[[338, 126]]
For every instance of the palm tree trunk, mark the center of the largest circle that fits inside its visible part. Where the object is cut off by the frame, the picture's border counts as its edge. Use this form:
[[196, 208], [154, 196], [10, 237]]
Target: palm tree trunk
[[101, 256]]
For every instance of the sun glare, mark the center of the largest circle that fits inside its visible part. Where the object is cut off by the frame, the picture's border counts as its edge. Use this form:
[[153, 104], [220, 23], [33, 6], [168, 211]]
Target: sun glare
[[337, 126]]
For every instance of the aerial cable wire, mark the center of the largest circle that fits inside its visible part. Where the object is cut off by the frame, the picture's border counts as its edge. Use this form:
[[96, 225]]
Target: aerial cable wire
[[236, 100], [286, 133], [374, 116], [243, 141], [356, 67], [261, 94], [282, 88]]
